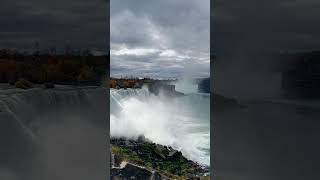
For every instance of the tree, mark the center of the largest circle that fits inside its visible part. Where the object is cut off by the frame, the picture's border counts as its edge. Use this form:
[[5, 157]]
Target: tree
[[86, 74]]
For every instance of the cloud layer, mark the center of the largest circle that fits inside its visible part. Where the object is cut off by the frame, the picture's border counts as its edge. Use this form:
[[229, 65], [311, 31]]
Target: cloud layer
[[248, 37], [159, 38], [80, 24], [270, 26]]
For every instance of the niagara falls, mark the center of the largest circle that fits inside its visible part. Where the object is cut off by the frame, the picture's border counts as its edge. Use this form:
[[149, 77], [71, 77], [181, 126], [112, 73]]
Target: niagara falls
[[181, 122], [160, 127]]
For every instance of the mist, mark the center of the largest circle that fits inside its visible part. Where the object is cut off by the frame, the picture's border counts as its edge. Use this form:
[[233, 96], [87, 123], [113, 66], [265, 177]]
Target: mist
[[187, 81], [68, 136], [163, 120], [73, 148], [186, 86]]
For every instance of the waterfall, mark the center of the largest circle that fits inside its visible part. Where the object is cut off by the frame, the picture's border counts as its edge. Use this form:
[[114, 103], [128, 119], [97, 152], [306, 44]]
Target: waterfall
[[117, 96], [182, 122], [27, 106], [39, 126]]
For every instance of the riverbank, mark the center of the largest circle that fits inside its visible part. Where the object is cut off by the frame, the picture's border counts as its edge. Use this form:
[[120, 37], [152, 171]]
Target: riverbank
[[143, 159]]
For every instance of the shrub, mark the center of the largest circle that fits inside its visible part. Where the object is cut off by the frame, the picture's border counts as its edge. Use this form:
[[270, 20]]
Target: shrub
[[23, 84], [113, 83], [86, 74]]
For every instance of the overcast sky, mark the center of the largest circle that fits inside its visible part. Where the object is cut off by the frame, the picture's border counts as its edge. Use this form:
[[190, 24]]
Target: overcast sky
[[248, 36], [81, 24], [273, 25], [264, 140], [160, 39]]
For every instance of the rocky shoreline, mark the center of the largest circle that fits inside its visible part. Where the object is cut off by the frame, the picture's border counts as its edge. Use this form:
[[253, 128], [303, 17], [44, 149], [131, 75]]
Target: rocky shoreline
[[142, 159]]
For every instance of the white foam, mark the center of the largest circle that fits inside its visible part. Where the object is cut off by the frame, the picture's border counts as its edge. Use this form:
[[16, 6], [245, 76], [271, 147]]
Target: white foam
[[179, 122]]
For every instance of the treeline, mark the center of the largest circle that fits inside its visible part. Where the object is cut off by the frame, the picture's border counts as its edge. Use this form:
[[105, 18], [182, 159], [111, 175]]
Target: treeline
[[83, 68], [118, 83], [128, 83], [14, 53]]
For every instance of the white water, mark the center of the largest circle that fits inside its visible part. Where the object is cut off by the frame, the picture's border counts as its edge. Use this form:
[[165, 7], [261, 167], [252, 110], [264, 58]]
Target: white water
[[53, 133], [182, 122]]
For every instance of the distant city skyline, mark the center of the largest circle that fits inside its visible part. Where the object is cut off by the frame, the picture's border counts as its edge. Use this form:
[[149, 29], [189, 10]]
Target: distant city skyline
[[161, 39]]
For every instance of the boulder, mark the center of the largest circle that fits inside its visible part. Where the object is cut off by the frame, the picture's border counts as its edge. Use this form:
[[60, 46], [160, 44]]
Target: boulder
[[131, 171]]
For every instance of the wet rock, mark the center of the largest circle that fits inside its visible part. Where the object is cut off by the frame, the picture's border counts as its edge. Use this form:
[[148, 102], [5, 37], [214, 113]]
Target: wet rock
[[148, 157], [131, 172]]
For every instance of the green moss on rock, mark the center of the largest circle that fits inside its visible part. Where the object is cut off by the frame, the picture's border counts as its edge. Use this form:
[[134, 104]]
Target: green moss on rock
[[162, 159]]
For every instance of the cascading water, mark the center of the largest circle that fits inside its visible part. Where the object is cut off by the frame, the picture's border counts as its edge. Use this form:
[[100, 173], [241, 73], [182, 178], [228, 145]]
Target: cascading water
[[53, 133], [26, 107], [181, 122]]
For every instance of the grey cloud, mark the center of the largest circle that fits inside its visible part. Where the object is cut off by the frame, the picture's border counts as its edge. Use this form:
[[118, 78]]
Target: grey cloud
[[249, 35], [54, 23], [179, 26], [185, 23], [262, 141], [275, 24]]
